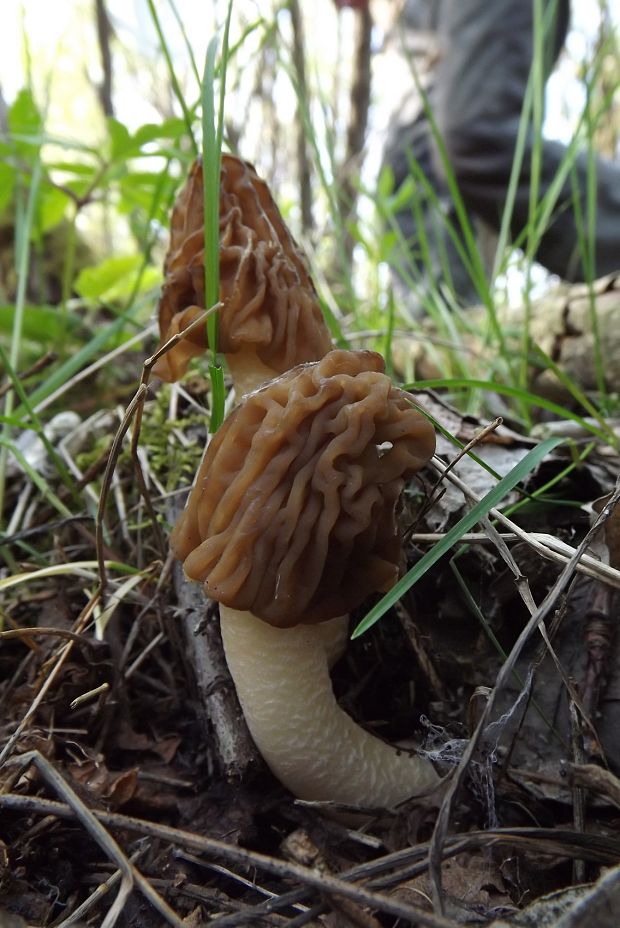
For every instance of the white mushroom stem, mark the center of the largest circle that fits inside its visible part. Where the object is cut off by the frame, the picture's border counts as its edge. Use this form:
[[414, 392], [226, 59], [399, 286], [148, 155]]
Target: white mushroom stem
[[311, 745]]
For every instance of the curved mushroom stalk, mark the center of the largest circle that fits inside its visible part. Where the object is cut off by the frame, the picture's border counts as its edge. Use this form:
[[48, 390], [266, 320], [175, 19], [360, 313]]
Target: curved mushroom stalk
[[311, 745], [292, 521]]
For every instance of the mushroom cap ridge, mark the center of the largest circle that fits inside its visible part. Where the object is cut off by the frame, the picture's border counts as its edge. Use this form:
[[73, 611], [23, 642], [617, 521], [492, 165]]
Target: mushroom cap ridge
[[293, 516]]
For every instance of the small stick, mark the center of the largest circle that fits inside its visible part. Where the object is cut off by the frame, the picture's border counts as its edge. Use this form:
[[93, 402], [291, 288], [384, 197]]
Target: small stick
[[115, 450], [130, 874], [410, 914], [98, 893], [45, 631], [91, 694], [35, 368]]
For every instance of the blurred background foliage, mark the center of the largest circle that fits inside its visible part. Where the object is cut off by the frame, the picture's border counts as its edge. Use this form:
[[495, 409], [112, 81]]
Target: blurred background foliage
[[100, 119]]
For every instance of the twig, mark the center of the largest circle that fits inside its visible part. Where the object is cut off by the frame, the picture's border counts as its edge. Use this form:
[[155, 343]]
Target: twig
[[115, 450], [136, 407], [91, 694], [101, 362], [51, 632], [282, 869], [221, 717], [35, 368], [143, 654], [130, 874], [596, 779], [98, 893], [600, 849]]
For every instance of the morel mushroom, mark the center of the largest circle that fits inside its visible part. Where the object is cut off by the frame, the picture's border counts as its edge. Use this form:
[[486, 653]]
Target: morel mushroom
[[291, 524], [270, 319]]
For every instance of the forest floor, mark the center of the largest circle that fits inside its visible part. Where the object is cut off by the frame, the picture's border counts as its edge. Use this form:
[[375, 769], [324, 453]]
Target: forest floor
[[122, 805]]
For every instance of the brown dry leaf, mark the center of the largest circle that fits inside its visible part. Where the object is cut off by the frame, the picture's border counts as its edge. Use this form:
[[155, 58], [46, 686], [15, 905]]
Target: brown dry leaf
[[501, 449], [91, 774], [465, 427], [166, 747], [115, 788], [121, 789], [469, 880], [127, 739]]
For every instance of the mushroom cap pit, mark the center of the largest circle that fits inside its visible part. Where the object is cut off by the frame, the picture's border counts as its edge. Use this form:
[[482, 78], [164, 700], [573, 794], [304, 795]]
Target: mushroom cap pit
[[293, 516]]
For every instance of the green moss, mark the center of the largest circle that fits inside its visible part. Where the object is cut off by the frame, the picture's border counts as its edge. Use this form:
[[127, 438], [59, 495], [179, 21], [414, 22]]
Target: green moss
[[174, 464]]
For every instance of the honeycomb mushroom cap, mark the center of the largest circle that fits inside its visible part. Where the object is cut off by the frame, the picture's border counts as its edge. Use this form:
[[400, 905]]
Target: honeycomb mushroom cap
[[294, 513], [270, 306]]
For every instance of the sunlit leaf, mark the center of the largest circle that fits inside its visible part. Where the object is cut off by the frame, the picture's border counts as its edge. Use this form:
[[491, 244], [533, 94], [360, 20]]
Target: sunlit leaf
[[139, 188], [115, 278], [51, 208], [7, 184], [43, 324], [121, 140], [25, 123], [173, 128]]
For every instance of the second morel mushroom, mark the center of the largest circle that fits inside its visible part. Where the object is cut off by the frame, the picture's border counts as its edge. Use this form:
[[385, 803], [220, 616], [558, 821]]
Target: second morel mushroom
[[291, 524], [270, 318]]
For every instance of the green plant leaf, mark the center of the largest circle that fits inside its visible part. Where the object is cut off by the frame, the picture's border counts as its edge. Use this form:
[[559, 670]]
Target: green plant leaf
[[51, 209], [172, 128], [138, 190], [114, 278], [121, 140], [101, 339], [531, 460], [25, 123], [43, 324], [7, 184]]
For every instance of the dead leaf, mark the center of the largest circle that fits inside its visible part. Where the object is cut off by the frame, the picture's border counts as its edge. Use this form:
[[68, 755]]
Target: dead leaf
[[122, 788], [166, 747], [469, 880]]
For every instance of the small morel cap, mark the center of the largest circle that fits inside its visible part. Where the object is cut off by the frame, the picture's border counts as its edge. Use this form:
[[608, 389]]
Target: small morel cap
[[294, 513], [270, 307]]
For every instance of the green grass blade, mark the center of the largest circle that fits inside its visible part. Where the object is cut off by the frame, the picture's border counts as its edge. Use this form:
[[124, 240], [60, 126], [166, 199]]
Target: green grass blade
[[524, 396], [35, 424], [23, 228], [188, 44], [75, 363], [187, 116], [479, 511], [212, 134], [39, 481]]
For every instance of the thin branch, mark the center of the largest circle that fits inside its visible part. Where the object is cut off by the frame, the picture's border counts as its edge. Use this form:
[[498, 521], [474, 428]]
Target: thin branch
[[303, 159], [104, 34], [131, 875]]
